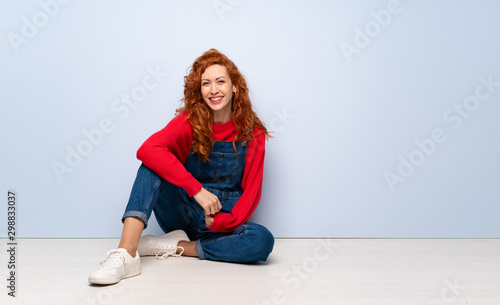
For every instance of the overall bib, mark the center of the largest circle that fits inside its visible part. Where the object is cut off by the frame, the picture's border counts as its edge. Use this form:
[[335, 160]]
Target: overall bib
[[174, 209]]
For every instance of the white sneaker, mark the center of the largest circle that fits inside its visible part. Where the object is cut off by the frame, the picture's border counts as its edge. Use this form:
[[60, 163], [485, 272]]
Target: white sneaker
[[162, 246], [117, 265]]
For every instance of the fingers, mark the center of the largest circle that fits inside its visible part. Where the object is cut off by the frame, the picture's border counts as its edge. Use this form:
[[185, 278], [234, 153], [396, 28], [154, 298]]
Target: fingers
[[214, 205], [210, 208], [209, 220], [208, 201]]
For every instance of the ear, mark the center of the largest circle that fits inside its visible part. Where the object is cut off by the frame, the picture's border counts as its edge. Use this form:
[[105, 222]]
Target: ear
[[234, 89]]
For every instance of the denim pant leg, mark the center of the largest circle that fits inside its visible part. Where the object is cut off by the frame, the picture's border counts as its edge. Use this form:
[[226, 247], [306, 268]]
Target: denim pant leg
[[249, 243], [144, 195], [151, 193], [173, 212]]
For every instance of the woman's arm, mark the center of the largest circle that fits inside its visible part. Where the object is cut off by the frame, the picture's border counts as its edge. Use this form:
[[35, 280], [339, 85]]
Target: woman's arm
[[166, 151]]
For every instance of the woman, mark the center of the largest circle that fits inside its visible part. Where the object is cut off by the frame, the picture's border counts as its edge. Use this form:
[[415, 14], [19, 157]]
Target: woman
[[201, 175]]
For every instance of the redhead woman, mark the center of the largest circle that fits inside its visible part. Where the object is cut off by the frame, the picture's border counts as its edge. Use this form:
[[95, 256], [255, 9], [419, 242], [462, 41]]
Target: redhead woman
[[201, 175]]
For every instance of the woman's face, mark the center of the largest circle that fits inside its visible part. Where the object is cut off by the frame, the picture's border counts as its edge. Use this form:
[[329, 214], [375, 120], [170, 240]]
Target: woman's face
[[217, 91]]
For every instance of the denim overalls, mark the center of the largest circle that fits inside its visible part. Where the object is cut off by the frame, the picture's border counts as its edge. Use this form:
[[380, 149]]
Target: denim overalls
[[174, 209]]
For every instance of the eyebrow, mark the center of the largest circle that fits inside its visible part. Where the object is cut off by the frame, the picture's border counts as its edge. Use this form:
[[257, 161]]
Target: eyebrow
[[215, 79]]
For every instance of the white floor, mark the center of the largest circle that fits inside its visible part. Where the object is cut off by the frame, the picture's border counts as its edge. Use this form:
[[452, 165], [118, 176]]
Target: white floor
[[299, 271]]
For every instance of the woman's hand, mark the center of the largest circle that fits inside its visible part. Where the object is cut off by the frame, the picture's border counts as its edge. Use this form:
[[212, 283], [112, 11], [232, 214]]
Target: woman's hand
[[208, 201], [209, 220]]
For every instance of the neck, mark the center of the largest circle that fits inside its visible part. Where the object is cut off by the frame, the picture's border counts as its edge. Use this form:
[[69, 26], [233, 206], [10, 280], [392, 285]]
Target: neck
[[221, 118]]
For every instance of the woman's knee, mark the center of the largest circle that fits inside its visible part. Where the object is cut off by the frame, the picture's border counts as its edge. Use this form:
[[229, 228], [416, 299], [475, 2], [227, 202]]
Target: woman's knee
[[262, 241], [145, 171]]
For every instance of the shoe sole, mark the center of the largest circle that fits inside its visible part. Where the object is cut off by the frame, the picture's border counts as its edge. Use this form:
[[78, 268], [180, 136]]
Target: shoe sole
[[109, 281]]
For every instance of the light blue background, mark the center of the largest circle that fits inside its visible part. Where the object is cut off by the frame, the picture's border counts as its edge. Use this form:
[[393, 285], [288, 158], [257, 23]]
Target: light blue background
[[339, 126]]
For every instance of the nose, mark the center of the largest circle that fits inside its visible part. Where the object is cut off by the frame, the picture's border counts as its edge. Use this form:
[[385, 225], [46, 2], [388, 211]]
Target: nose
[[213, 88]]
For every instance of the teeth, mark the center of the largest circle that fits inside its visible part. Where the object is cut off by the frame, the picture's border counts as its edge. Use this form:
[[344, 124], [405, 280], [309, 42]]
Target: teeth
[[216, 99]]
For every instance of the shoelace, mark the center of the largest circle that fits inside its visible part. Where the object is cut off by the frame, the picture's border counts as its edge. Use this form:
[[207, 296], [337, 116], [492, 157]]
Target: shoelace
[[114, 258], [162, 251]]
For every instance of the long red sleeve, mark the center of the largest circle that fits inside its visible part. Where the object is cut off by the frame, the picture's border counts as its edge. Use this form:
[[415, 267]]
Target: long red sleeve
[[166, 151]]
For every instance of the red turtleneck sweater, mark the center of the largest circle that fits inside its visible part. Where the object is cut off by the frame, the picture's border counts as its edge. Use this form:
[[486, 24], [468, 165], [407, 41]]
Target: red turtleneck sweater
[[166, 151]]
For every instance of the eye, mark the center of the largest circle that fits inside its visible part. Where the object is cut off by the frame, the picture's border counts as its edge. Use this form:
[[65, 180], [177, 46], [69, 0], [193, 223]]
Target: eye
[[204, 83], [221, 81]]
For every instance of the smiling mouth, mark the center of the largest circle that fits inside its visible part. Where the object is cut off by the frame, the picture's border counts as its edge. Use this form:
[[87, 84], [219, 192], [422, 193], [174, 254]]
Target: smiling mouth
[[215, 100]]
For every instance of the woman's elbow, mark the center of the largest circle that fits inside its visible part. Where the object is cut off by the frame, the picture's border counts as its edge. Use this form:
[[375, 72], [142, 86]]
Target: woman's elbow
[[141, 152]]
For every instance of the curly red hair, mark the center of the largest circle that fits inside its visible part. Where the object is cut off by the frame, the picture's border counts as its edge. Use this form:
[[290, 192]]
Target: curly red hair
[[201, 117]]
